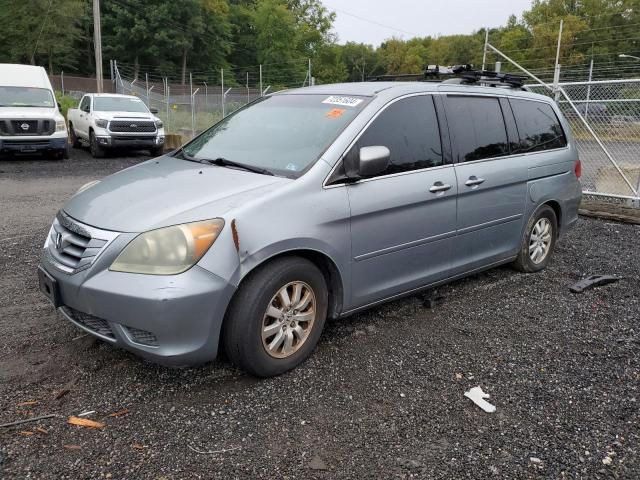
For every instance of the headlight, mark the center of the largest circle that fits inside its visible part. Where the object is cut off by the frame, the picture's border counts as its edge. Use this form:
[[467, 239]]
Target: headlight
[[101, 123], [170, 250], [159, 124], [61, 126]]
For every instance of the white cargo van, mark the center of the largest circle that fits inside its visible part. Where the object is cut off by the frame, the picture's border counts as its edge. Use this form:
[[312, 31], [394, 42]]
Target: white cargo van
[[30, 119]]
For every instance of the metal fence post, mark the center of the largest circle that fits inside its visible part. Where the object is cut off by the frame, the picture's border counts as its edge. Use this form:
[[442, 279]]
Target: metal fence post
[[222, 89], [168, 111], [193, 114], [260, 80], [62, 81], [586, 109]]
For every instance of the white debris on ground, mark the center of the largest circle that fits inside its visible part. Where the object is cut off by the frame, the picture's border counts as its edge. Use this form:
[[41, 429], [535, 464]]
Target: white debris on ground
[[477, 396]]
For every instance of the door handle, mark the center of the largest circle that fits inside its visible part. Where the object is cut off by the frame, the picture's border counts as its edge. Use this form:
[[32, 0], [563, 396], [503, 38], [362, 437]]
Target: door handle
[[474, 181], [439, 187]]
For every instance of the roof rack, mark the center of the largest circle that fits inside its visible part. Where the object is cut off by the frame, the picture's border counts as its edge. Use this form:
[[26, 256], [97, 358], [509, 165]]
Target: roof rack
[[460, 74]]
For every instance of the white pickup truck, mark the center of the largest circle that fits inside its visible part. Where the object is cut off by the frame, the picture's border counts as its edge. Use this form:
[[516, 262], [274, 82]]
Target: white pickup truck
[[115, 121]]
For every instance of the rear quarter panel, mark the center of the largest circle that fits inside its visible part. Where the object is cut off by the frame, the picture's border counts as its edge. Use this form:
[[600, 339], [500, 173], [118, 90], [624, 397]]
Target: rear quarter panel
[[551, 178]]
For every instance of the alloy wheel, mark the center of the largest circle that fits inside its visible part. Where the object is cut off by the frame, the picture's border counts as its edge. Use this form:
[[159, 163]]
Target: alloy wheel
[[289, 319], [540, 240]]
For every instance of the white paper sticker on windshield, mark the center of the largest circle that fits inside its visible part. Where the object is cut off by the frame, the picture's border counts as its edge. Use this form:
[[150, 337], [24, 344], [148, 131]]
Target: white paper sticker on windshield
[[343, 101]]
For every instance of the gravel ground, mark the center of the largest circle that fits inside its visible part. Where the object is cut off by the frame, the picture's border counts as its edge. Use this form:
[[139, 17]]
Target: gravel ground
[[382, 397]]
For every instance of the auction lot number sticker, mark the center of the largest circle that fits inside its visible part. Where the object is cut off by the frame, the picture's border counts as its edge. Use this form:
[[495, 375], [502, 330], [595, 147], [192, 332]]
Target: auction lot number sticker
[[343, 101]]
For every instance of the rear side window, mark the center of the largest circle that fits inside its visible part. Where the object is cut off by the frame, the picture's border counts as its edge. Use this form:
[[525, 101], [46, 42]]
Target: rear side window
[[477, 127], [538, 126], [409, 129]]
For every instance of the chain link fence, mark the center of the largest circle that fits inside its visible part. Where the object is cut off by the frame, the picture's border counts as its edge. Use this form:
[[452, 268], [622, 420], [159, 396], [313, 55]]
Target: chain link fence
[[190, 108], [605, 120]]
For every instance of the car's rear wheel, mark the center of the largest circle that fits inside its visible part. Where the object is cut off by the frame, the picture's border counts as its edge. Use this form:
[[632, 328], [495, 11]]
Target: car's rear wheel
[[539, 241], [96, 150], [276, 317], [75, 141]]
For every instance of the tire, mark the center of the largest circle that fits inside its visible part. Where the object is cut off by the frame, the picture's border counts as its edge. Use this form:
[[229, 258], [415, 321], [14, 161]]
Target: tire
[[543, 224], [96, 150], [247, 317], [75, 141], [156, 151], [61, 154]]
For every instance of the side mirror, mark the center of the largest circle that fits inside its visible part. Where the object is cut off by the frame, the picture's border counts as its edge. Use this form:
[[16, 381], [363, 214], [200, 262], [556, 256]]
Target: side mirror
[[59, 106], [373, 160], [154, 111]]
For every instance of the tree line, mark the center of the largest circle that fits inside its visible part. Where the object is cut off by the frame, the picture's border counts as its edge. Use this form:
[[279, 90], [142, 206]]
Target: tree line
[[172, 38]]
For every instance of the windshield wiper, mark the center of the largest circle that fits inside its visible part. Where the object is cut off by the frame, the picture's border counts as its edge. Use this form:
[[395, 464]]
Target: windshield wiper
[[223, 162]]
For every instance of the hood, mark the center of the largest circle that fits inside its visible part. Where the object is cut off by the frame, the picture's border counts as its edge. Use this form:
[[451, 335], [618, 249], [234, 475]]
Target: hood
[[167, 191], [125, 115], [29, 112]]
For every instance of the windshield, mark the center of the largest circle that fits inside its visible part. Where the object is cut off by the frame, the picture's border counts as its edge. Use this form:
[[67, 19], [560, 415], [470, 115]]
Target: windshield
[[118, 104], [26, 97], [284, 134]]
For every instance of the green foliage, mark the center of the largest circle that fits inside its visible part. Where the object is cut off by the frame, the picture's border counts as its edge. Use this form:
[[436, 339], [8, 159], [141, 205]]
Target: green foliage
[[66, 102], [172, 38]]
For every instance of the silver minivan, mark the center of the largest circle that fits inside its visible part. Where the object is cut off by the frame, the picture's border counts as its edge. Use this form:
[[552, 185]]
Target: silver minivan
[[306, 205]]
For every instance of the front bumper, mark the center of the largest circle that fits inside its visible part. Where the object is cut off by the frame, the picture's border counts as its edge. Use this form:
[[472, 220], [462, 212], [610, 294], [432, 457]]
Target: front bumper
[[130, 141], [18, 144], [170, 320]]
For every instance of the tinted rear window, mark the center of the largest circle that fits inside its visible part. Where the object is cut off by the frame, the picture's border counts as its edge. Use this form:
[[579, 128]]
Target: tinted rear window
[[477, 127], [538, 126]]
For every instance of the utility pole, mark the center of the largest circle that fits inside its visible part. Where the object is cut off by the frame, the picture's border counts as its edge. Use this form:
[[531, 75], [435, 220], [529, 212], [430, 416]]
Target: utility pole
[[484, 54], [97, 40], [556, 71]]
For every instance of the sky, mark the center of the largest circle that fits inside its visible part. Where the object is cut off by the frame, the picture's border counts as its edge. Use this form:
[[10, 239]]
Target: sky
[[383, 19]]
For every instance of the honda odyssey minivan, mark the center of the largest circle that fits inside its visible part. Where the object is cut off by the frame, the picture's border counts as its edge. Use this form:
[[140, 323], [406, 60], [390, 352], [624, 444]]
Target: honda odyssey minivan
[[311, 204]]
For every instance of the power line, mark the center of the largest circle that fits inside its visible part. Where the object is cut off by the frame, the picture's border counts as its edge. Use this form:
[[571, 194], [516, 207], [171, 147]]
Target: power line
[[373, 22], [44, 21]]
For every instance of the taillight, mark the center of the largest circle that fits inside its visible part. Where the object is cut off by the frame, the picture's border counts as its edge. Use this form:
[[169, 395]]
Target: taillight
[[578, 168]]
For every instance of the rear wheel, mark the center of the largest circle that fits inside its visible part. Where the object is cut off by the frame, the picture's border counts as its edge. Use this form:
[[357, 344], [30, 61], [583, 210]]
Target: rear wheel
[[276, 318], [539, 241], [96, 150]]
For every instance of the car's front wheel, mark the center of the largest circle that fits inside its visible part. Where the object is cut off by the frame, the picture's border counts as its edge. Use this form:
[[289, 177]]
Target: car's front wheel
[[156, 151], [75, 141], [276, 317], [539, 241], [96, 150]]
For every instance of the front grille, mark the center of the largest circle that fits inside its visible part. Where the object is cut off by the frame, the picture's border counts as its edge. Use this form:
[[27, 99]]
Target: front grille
[[132, 126], [143, 337], [24, 127], [72, 246], [95, 324], [27, 127], [26, 143]]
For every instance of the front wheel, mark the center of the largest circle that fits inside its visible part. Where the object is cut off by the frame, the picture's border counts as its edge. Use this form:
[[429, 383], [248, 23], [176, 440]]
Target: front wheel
[[539, 241], [276, 318], [156, 151], [96, 150], [75, 141]]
